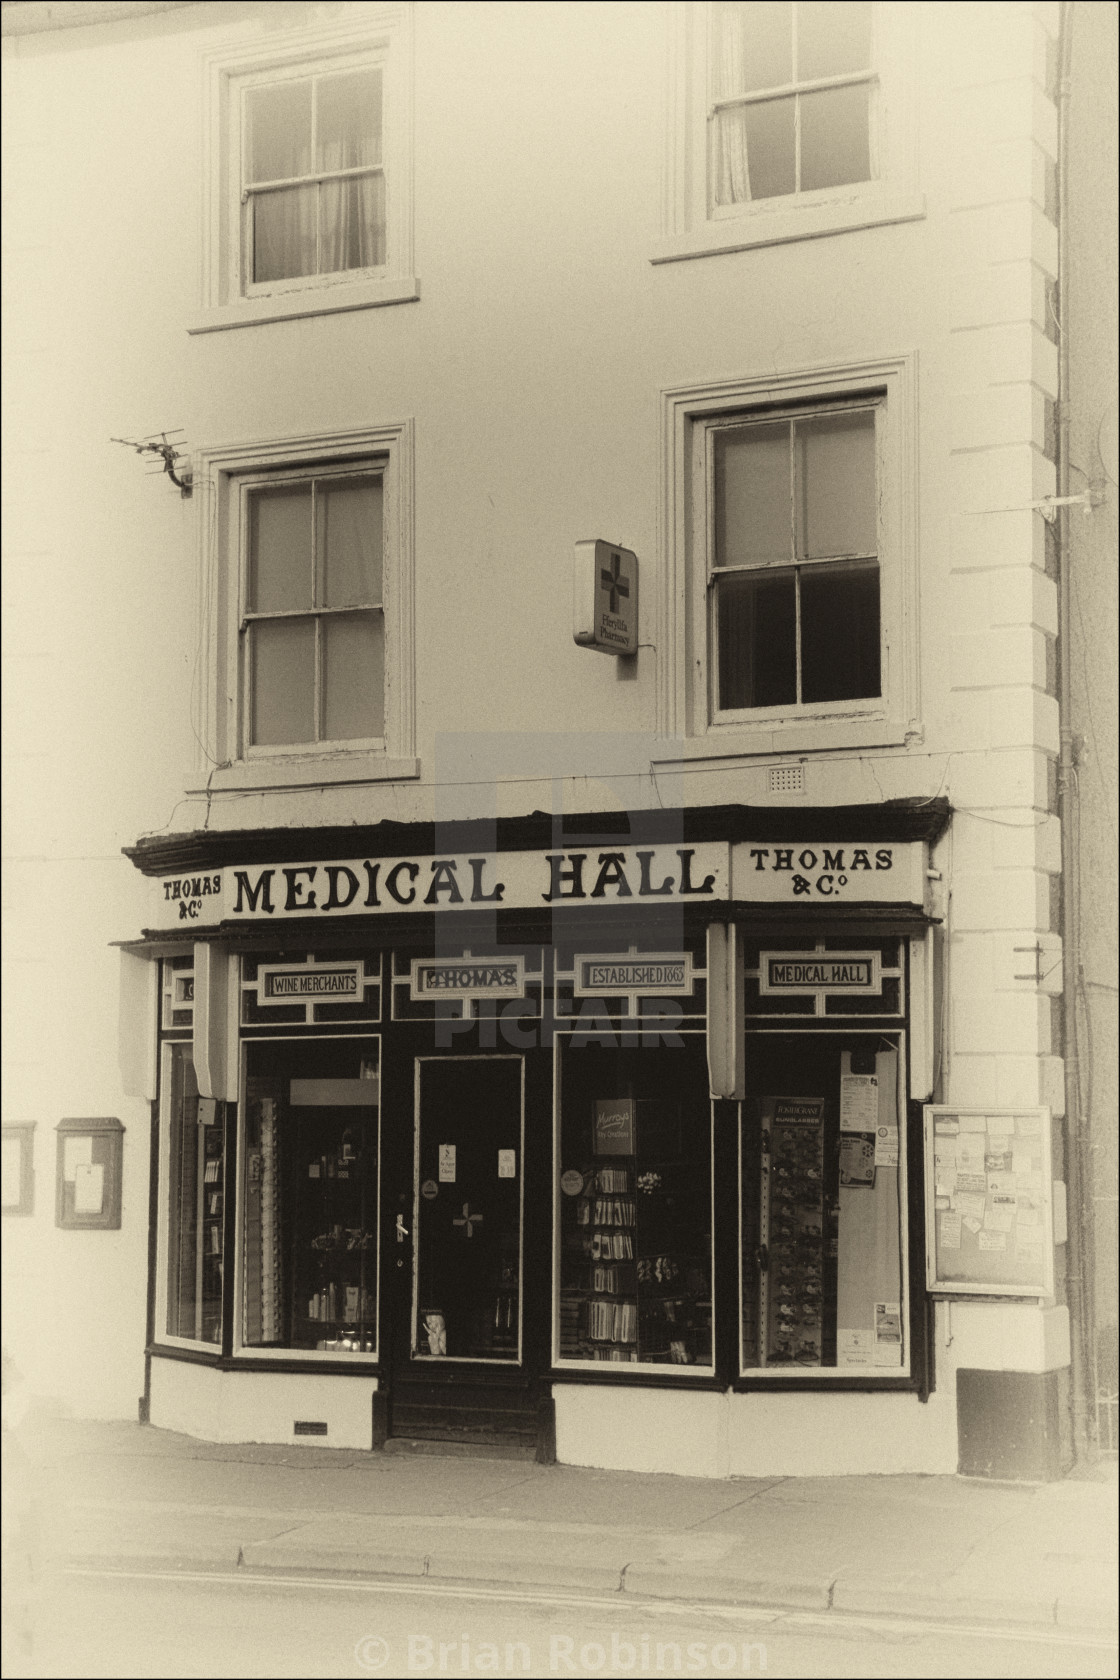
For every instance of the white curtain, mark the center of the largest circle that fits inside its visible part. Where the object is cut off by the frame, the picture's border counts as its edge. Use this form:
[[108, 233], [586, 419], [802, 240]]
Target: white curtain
[[731, 176]]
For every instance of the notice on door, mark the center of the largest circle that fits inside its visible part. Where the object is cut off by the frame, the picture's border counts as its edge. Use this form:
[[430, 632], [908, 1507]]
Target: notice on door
[[507, 1163], [447, 1163]]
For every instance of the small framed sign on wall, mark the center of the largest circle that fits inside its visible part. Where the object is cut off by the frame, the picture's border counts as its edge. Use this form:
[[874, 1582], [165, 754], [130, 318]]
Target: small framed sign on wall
[[88, 1175]]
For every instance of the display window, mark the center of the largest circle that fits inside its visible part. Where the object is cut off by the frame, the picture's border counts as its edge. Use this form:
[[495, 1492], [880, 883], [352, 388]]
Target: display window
[[192, 1192], [308, 1215], [822, 1200], [634, 1203]]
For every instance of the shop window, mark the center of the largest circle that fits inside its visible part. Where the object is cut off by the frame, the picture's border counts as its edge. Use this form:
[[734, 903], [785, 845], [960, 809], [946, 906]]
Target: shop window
[[787, 121], [312, 663], [309, 1223], [309, 180], [194, 1188], [635, 1196], [800, 560], [822, 1197]]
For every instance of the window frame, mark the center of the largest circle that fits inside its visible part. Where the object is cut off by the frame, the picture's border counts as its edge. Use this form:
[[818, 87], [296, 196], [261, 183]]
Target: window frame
[[686, 710], [693, 225], [224, 477], [247, 485], [375, 36], [748, 715]]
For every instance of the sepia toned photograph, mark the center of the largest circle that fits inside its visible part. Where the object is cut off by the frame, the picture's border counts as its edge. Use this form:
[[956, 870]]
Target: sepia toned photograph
[[560, 917]]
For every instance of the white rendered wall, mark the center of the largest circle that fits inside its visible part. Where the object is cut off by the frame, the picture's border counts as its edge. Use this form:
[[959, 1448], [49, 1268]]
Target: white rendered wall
[[237, 1406]]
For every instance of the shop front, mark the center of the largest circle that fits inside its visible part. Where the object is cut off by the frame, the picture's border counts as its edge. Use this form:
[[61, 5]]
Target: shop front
[[500, 1144]]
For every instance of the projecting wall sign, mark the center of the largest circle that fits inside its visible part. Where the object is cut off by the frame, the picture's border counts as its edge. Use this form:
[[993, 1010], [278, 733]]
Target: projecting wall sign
[[852, 972], [605, 597]]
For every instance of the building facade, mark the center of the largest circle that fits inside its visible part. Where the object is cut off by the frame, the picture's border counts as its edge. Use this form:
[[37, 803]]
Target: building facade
[[638, 1037]]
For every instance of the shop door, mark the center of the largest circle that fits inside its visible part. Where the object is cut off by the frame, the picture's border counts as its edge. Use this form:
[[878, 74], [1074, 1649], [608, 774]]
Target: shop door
[[459, 1368]]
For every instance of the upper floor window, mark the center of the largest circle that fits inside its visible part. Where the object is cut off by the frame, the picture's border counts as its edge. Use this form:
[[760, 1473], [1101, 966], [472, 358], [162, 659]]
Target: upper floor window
[[313, 188], [794, 562], [313, 626], [793, 93], [789, 599], [310, 636], [787, 119], [309, 140]]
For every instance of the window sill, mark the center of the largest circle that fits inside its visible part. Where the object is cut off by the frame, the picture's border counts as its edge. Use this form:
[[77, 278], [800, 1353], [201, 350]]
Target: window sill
[[262, 775], [795, 736], [777, 226], [286, 306]]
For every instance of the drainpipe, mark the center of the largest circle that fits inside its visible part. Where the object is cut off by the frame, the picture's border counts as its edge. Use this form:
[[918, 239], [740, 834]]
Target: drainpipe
[[1079, 1249]]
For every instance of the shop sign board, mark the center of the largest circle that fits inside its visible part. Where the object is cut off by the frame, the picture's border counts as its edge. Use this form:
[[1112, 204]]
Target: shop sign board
[[820, 973], [468, 977], [828, 872], [652, 974], [712, 871], [320, 982], [605, 597], [422, 884]]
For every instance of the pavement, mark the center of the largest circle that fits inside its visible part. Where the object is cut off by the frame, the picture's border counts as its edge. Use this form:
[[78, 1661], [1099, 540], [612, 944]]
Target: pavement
[[942, 1548]]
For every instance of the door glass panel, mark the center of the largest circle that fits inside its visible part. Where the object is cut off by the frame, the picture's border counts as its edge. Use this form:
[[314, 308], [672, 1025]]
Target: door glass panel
[[467, 1240]]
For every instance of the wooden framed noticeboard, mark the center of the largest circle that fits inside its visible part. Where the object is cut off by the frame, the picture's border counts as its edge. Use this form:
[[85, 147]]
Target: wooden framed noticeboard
[[989, 1201]]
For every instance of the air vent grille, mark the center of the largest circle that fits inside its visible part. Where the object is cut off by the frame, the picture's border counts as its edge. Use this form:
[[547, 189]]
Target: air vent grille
[[303, 1426], [787, 778]]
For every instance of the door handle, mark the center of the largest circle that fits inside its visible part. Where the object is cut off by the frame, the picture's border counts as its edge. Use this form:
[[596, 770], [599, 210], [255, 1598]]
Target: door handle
[[402, 1233]]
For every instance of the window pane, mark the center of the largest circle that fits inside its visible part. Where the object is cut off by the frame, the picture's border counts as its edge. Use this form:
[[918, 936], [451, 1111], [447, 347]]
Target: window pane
[[353, 677], [349, 541], [840, 631], [758, 140], [752, 47], [278, 123], [635, 1238], [309, 1212], [283, 677], [837, 485], [196, 1187], [832, 38], [352, 224], [835, 143], [280, 549], [821, 1230], [284, 233], [753, 512], [757, 627], [348, 120]]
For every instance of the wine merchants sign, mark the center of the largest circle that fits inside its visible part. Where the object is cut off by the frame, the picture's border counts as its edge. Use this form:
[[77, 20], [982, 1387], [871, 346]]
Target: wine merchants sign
[[712, 871]]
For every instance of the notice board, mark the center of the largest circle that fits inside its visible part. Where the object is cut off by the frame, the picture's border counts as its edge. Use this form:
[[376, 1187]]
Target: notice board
[[989, 1201]]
